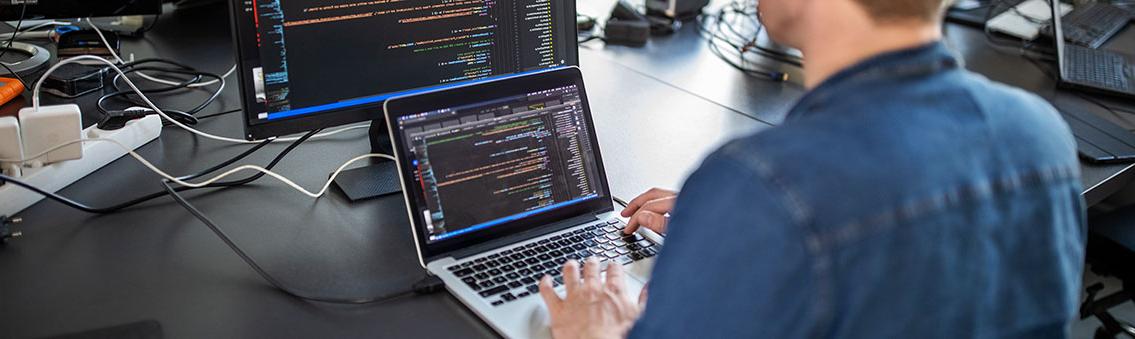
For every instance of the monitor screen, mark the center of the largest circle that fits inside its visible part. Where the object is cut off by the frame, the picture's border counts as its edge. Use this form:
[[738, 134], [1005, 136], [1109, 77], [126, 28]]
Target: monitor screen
[[12, 10], [309, 64], [486, 164]]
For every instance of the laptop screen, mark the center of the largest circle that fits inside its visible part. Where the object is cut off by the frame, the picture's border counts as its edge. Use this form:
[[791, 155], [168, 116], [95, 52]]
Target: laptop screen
[[487, 163]]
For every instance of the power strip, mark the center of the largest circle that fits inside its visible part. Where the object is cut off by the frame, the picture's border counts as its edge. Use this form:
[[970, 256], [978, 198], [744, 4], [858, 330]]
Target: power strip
[[55, 177]]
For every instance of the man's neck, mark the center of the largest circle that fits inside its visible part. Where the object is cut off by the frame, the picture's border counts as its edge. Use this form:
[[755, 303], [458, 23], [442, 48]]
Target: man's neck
[[849, 43]]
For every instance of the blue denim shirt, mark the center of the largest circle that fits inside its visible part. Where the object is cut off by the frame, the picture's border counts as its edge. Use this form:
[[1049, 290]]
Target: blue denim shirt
[[903, 198]]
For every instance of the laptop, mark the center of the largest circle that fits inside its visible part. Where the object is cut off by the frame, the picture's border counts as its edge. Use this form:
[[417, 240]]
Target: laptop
[[504, 182], [1089, 69]]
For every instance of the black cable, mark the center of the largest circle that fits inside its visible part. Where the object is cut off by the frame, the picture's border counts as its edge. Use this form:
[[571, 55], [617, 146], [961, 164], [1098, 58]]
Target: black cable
[[213, 115], [729, 43], [194, 76], [620, 201], [429, 284], [15, 30]]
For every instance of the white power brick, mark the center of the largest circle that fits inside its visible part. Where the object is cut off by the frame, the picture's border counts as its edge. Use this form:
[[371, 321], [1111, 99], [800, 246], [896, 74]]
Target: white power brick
[[50, 126], [10, 146], [96, 154]]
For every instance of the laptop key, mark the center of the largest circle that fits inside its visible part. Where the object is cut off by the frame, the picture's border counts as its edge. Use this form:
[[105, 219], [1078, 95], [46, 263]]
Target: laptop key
[[644, 243], [507, 268], [587, 235], [480, 260], [533, 288], [635, 256], [527, 280], [549, 264], [512, 275], [530, 253], [514, 284], [544, 257], [585, 253], [556, 254], [506, 252], [621, 250], [500, 280], [623, 260], [508, 297], [481, 276], [532, 261], [576, 238], [523, 294], [541, 249], [553, 246], [475, 286], [493, 291], [560, 260], [488, 284], [590, 228], [564, 242], [494, 272], [453, 268], [519, 264], [492, 263], [517, 256], [578, 247], [524, 271], [479, 267], [463, 272], [611, 254], [497, 303], [467, 264], [554, 237], [469, 280], [494, 256]]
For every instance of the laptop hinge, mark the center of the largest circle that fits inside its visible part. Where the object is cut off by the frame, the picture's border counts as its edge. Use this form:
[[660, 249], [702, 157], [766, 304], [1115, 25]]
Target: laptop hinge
[[519, 237]]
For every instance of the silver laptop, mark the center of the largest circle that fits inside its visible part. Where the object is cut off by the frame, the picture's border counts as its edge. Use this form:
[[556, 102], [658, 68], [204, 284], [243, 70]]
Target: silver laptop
[[504, 182]]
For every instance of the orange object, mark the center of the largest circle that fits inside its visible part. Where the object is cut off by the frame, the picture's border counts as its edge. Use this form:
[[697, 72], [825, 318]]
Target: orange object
[[10, 89]]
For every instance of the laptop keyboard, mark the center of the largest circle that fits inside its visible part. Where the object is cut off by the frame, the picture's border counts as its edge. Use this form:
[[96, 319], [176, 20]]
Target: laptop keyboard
[[513, 273], [1096, 67]]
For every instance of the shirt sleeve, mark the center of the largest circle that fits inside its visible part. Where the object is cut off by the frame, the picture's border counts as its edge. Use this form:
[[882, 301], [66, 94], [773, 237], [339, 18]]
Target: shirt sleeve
[[734, 263]]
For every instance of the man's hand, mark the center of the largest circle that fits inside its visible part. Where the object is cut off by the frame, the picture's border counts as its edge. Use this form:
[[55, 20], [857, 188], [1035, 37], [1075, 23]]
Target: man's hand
[[650, 210], [592, 308]]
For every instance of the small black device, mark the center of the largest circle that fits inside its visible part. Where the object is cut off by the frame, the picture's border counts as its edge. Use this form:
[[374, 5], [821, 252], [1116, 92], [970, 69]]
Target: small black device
[[626, 26], [86, 42], [1093, 24], [74, 80], [1092, 70], [974, 13], [680, 10]]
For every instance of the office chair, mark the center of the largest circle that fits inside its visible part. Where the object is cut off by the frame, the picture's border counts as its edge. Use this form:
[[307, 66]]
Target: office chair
[[1111, 252]]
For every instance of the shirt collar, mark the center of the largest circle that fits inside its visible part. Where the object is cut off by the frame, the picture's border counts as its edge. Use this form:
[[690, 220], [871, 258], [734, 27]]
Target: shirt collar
[[925, 59]]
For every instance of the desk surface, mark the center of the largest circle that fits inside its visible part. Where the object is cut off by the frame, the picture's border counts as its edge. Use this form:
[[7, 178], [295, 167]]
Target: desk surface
[[657, 114]]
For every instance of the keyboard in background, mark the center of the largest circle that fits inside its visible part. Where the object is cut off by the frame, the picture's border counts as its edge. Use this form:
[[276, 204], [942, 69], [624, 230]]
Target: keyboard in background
[[1093, 24], [1099, 140]]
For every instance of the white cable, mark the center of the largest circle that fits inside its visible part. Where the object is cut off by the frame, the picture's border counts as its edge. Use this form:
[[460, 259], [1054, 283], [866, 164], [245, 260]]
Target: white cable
[[228, 173]]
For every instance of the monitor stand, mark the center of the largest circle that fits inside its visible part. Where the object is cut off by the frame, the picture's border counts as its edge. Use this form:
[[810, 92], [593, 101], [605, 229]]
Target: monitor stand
[[380, 177]]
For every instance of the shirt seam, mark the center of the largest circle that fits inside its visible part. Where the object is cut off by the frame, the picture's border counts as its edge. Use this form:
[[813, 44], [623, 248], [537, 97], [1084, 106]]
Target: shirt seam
[[802, 218]]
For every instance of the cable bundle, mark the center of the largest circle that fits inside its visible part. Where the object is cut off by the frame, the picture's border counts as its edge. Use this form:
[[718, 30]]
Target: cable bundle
[[732, 34]]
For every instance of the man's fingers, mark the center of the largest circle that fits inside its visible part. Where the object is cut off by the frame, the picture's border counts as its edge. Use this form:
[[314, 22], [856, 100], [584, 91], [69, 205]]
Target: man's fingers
[[653, 193], [651, 220], [549, 294], [642, 296], [615, 281], [571, 276], [591, 273], [661, 205]]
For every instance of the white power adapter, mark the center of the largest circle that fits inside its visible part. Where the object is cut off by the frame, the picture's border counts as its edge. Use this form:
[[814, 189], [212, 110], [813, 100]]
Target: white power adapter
[[10, 146], [51, 126]]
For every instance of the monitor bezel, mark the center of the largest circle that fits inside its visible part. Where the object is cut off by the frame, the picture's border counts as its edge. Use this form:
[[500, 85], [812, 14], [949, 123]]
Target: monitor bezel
[[244, 34], [517, 85]]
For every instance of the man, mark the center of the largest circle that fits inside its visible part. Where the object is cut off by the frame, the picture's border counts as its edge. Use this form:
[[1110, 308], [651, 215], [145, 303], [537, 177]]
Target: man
[[903, 198]]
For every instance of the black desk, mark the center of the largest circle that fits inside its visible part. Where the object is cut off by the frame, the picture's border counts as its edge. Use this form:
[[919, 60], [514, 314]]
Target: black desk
[[657, 115]]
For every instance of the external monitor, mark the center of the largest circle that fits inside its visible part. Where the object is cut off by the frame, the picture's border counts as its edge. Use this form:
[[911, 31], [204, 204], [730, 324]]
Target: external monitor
[[307, 64], [10, 10]]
